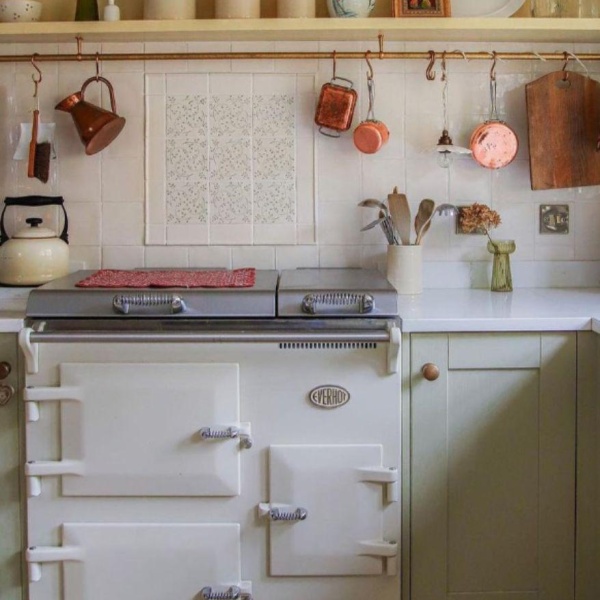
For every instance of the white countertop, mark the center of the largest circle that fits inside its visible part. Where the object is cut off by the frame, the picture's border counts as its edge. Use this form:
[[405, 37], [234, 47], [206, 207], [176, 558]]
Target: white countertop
[[531, 309], [443, 310]]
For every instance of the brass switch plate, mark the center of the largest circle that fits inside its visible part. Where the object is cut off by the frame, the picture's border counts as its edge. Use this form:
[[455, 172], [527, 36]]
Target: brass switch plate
[[554, 218]]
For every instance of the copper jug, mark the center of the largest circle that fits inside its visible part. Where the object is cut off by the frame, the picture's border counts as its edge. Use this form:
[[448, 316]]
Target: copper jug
[[97, 127]]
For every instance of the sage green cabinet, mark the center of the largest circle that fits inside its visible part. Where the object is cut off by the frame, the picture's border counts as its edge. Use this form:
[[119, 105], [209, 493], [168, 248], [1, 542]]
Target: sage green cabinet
[[10, 467], [490, 456]]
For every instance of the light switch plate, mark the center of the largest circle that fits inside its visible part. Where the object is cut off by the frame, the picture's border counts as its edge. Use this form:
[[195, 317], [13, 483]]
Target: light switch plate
[[554, 219]]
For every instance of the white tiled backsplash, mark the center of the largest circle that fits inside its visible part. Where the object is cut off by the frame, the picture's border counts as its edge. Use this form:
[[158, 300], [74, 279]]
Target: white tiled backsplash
[[105, 194]]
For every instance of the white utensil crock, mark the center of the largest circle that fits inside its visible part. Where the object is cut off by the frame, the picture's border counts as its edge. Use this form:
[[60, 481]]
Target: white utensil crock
[[405, 268]]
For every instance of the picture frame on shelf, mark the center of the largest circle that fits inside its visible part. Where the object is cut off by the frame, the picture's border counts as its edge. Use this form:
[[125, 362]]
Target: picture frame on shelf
[[421, 8]]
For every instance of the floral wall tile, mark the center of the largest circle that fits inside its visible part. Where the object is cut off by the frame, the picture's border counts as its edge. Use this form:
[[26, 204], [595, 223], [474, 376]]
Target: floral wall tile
[[231, 202], [227, 159]]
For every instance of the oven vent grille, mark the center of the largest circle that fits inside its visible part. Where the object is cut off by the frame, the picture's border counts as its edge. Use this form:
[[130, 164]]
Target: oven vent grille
[[328, 346]]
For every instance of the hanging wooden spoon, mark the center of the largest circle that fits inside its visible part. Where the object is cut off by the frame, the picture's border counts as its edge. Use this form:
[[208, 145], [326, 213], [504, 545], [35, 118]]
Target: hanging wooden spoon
[[400, 212], [423, 218]]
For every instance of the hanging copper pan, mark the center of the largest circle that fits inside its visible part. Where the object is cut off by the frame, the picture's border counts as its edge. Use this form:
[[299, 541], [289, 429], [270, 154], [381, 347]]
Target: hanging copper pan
[[494, 144]]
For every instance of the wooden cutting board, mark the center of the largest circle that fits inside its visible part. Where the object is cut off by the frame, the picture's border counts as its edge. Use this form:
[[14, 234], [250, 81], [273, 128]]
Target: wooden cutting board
[[564, 125]]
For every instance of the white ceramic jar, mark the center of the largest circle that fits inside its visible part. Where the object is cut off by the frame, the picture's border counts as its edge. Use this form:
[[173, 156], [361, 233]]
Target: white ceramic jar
[[169, 9], [350, 8], [237, 9], [296, 9]]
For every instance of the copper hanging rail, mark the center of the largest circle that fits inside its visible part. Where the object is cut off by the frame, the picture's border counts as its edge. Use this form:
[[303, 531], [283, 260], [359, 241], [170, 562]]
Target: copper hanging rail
[[79, 56], [425, 55]]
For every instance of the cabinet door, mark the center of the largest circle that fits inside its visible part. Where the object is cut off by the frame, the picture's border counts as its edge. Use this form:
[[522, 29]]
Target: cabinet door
[[492, 485]]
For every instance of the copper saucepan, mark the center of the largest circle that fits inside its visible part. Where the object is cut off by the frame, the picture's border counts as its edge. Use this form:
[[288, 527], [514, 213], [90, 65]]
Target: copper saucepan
[[494, 144], [371, 134]]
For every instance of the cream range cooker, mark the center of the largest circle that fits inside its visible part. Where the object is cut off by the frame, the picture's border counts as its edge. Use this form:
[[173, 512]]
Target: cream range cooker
[[198, 444]]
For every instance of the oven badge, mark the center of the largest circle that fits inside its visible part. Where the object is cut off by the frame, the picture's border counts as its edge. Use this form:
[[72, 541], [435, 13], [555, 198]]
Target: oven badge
[[329, 396]]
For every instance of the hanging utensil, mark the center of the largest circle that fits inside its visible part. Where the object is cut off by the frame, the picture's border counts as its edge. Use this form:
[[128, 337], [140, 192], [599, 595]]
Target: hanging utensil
[[335, 108], [371, 134], [494, 144], [38, 164], [400, 211], [97, 127], [563, 113]]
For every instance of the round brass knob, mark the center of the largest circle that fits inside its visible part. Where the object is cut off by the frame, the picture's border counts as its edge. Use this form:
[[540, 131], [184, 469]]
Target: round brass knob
[[5, 369], [430, 371]]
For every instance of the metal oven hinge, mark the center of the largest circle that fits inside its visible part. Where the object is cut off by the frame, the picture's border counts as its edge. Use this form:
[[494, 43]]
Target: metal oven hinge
[[35, 470], [388, 476], [385, 549], [29, 349], [36, 555], [240, 591], [281, 512], [241, 431], [33, 395], [393, 357]]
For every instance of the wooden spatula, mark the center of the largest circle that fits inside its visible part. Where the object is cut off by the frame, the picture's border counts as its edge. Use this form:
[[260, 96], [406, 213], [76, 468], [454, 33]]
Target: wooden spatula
[[423, 218], [400, 212]]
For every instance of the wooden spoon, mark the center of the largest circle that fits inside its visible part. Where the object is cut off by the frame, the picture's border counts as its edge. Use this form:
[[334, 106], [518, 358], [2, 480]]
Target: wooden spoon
[[400, 212], [423, 218]]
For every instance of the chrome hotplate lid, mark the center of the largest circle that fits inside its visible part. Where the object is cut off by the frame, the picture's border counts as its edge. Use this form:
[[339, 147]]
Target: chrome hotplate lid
[[62, 299], [308, 293], [336, 293]]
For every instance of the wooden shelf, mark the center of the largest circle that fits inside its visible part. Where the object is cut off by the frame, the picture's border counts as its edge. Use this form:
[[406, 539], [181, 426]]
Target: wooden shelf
[[408, 29]]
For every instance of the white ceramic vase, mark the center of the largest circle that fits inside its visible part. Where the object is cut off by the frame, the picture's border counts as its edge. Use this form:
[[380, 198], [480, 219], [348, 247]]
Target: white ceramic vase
[[405, 268], [350, 8]]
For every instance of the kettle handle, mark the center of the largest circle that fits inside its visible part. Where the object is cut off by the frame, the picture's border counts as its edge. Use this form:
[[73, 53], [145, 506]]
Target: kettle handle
[[34, 201], [113, 103]]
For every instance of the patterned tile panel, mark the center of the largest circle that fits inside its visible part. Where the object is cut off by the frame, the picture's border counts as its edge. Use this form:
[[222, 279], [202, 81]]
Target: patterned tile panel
[[230, 159]]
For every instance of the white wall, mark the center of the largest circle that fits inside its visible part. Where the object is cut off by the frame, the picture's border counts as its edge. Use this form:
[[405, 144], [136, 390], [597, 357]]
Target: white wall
[[105, 193]]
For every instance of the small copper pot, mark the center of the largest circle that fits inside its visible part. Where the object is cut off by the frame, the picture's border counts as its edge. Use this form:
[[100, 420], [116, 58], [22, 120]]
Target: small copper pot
[[370, 136], [97, 127]]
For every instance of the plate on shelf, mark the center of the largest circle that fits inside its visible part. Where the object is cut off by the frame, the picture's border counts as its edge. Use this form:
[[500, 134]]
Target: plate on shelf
[[485, 8]]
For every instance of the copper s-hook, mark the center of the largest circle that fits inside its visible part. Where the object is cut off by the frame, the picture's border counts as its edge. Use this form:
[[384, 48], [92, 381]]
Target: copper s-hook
[[97, 66], [380, 39], [564, 68], [79, 41], [429, 72], [334, 63], [370, 73], [493, 68], [36, 80], [444, 65]]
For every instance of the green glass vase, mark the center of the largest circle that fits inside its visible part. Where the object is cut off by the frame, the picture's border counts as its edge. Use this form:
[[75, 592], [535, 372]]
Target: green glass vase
[[501, 275], [87, 10]]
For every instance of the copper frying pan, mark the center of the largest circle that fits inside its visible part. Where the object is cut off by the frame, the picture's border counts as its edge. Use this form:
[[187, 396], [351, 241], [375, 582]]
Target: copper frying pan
[[494, 144]]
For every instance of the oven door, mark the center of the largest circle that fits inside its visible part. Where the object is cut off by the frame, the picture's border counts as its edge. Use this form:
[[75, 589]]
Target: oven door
[[153, 469]]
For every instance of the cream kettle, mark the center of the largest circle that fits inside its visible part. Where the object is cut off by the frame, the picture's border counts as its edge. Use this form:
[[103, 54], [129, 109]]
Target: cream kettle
[[35, 254]]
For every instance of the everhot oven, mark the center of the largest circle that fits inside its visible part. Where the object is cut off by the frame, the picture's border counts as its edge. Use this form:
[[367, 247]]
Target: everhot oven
[[208, 443]]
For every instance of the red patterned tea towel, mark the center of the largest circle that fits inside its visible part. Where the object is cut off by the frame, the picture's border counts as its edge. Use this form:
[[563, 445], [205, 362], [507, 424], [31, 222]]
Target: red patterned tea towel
[[115, 278]]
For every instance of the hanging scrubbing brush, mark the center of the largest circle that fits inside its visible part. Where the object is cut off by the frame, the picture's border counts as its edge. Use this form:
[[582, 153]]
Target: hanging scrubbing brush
[[39, 153]]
